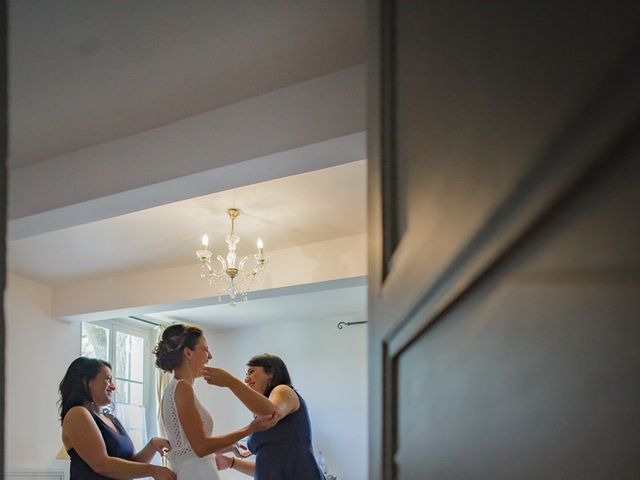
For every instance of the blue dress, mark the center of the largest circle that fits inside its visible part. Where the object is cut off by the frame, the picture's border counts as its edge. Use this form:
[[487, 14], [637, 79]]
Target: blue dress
[[118, 445], [284, 452]]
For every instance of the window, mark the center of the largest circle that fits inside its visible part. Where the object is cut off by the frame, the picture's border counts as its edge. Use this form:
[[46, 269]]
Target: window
[[127, 346]]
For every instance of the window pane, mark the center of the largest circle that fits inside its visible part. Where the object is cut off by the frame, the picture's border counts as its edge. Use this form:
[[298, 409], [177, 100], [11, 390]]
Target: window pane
[[137, 394], [130, 356], [129, 392], [122, 391], [132, 418], [95, 341]]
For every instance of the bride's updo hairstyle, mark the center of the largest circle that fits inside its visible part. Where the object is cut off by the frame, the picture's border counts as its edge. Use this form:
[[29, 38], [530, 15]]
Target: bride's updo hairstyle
[[175, 339]]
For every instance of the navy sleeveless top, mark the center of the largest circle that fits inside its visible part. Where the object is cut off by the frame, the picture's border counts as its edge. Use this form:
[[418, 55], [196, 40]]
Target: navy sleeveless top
[[118, 445], [284, 451]]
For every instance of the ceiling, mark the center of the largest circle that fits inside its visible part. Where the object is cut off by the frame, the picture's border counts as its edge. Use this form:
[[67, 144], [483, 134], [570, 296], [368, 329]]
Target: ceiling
[[86, 72], [285, 212], [345, 303]]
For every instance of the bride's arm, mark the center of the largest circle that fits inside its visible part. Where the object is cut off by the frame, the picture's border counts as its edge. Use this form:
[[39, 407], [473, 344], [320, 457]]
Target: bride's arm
[[194, 429], [282, 400]]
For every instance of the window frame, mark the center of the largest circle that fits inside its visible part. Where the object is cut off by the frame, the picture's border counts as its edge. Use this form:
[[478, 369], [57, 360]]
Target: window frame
[[148, 333]]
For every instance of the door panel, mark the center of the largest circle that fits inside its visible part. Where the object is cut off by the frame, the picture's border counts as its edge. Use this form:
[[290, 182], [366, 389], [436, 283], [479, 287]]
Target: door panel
[[481, 97], [3, 213], [533, 373], [488, 123]]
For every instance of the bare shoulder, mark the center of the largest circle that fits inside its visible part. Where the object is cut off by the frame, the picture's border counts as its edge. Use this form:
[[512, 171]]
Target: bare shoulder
[[184, 386], [78, 422], [284, 391], [184, 393], [77, 414], [285, 398]]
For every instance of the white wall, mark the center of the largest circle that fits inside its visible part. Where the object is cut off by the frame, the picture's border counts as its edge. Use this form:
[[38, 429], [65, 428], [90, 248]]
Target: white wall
[[38, 352], [328, 368]]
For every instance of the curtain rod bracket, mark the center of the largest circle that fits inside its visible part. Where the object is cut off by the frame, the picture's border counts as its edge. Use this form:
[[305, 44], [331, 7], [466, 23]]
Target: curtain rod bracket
[[341, 325]]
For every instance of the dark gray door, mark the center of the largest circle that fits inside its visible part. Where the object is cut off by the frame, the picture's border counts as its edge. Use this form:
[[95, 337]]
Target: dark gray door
[[504, 261], [3, 210]]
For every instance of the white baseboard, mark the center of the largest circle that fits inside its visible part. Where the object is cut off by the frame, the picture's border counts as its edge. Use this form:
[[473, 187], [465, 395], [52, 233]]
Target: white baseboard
[[29, 474]]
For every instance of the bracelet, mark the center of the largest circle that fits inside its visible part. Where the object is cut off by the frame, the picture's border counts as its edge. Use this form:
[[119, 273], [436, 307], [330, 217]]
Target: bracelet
[[233, 460]]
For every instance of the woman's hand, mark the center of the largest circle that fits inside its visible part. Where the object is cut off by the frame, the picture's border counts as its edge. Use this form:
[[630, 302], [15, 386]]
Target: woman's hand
[[223, 462], [241, 451], [163, 473], [160, 445], [263, 423], [217, 376]]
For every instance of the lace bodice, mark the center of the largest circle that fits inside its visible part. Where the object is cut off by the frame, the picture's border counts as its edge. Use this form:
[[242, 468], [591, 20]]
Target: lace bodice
[[181, 450]]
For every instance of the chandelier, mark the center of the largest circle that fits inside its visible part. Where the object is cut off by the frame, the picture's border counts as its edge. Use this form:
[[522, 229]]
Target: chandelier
[[227, 274]]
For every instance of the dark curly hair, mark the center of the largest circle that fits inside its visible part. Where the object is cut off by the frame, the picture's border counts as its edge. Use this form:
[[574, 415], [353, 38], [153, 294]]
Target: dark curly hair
[[273, 365], [175, 339], [74, 387]]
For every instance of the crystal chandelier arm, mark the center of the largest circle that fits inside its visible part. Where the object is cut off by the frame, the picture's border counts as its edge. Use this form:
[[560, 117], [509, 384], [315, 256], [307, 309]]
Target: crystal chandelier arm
[[242, 263], [261, 263], [206, 265], [223, 265], [204, 256]]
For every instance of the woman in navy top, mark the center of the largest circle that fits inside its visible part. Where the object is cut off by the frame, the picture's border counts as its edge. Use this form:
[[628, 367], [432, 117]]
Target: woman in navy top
[[284, 451], [98, 445]]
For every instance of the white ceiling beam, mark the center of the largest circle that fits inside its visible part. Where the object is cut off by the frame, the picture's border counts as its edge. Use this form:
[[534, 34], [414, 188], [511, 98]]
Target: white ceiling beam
[[329, 153], [305, 127], [181, 287]]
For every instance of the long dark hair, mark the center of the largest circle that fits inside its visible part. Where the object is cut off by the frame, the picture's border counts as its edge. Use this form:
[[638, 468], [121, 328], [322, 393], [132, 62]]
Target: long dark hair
[[74, 387], [273, 365], [175, 339]]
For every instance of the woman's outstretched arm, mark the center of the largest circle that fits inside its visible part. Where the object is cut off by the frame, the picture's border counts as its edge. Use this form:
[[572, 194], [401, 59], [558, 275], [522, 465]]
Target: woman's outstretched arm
[[194, 429], [282, 400], [156, 444]]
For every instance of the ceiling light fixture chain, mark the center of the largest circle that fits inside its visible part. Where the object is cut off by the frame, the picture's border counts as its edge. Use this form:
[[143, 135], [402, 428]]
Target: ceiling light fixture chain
[[234, 277]]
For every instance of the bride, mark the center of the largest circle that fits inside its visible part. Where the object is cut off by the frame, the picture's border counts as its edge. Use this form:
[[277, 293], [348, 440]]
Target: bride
[[183, 350]]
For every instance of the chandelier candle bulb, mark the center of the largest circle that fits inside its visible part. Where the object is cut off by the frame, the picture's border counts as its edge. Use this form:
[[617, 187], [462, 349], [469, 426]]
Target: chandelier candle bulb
[[260, 247], [205, 241]]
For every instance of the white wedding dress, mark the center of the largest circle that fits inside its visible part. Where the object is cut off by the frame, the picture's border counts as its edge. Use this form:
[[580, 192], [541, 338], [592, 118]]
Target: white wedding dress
[[182, 459]]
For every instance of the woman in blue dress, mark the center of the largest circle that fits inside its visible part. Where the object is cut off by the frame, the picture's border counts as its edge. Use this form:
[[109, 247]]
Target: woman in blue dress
[[97, 443], [284, 451]]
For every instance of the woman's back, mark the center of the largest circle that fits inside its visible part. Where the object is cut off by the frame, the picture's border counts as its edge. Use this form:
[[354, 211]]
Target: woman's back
[[284, 452], [117, 443], [182, 458]]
